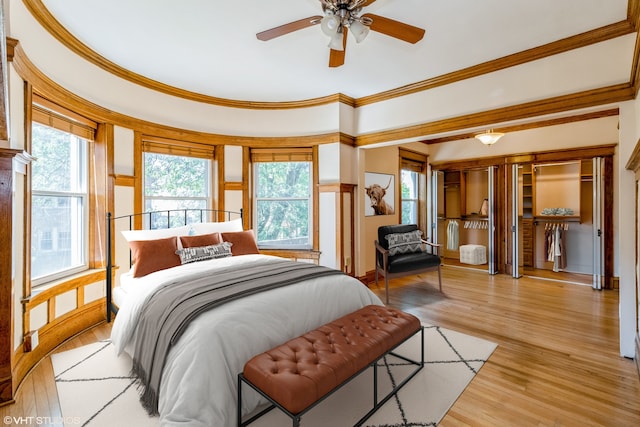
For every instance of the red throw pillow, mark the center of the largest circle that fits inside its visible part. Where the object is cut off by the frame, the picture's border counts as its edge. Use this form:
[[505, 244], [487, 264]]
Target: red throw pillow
[[243, 242], [153, 255], [200, 240]]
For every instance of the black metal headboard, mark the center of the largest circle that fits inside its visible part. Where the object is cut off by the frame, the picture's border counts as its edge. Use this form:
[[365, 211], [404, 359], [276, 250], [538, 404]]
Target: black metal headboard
[[156, 220]]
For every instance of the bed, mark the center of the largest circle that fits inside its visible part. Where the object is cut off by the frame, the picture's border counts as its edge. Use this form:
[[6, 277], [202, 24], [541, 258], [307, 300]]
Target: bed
[[199, 375]]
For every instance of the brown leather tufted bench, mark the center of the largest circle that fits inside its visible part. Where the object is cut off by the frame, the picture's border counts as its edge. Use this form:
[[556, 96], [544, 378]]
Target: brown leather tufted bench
[[298, 374]]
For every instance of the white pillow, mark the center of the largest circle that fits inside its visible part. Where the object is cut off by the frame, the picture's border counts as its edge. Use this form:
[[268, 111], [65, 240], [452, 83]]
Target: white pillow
[[219, 227], [163, 233]]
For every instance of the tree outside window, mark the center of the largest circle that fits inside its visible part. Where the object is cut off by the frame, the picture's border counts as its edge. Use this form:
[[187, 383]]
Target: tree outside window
[[283, 211], [59, 206], [410, 196], [172, 183]]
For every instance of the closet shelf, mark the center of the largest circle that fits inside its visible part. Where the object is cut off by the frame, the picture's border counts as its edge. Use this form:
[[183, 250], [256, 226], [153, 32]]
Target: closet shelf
[[475, 216], [557, 218]]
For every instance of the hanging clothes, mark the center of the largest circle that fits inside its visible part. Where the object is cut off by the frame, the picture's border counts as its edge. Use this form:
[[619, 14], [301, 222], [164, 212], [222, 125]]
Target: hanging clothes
[[453, 236], [555, 247]]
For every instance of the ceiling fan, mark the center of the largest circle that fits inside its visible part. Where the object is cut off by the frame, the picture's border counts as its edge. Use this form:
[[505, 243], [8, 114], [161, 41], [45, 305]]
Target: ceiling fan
[[340, 16]]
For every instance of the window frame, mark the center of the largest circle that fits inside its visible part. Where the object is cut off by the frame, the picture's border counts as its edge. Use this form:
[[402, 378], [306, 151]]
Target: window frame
[[46, 113], [208, 198], [145, 143], [294, 154], [415, 162]]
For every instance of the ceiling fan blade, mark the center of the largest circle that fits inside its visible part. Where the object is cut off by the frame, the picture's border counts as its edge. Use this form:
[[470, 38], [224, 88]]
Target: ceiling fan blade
[[367, 3], [394, 28], [336, 57], [288, 28]]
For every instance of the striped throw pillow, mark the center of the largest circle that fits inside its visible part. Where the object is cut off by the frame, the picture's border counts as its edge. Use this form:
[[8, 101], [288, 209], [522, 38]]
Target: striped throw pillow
[[404, 243], [201, 253]]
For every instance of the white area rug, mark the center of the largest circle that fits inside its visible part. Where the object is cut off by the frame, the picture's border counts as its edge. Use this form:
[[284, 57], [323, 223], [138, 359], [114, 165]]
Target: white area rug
[[95, 389]]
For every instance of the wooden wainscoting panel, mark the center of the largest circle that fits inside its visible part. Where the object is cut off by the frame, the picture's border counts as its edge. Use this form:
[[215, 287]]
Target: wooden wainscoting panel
[[56, 332]]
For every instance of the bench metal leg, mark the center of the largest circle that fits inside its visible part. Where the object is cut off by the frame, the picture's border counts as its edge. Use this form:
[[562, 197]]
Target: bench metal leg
[[295, 418]]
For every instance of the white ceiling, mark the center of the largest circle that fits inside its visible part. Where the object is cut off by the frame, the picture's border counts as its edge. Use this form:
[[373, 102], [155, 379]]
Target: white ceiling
[[209, 46]]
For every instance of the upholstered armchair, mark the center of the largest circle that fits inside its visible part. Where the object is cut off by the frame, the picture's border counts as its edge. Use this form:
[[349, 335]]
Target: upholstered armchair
[[401, 251]]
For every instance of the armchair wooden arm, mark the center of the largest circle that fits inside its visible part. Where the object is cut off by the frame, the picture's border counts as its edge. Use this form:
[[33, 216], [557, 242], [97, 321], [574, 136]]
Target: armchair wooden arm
[[433, 246]]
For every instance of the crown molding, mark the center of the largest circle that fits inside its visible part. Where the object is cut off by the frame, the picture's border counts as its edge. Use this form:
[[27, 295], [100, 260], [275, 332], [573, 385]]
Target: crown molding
[[575, 101], [526, 126], [57, 30]]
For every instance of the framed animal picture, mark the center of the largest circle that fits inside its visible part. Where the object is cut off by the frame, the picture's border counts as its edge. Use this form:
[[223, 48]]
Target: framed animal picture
[[380, 194]]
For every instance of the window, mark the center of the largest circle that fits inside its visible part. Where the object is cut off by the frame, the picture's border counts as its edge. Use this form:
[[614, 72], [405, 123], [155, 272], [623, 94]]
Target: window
[[283, 199], [59, 205], [413, 188], [409, 187], [175, 182]]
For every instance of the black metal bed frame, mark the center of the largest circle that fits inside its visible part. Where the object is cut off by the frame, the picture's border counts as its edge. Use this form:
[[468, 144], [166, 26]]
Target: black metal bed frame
[[377, 404], [170, 214]]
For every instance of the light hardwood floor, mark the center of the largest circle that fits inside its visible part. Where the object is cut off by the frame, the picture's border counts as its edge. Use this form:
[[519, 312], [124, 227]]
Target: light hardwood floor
[[557, 361]]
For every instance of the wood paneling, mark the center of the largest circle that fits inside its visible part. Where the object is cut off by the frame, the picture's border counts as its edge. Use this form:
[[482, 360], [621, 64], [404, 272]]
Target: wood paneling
[[9, 158]]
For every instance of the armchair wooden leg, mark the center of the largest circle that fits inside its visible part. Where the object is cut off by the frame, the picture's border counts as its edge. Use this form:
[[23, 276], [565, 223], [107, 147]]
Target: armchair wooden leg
[[440, 278], [386, 287]]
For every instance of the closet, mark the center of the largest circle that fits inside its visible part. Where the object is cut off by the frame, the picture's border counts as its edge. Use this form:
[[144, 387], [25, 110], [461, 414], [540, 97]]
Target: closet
[[563, 220], [464, 212], [546, 214]]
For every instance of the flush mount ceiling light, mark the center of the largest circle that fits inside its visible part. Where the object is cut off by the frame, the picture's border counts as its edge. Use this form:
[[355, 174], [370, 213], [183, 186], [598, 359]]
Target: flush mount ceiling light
[[342, 16], [489, 137]]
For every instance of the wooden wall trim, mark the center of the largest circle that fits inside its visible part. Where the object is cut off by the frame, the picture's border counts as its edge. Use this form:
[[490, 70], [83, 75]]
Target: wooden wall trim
[[575, 101], [611, 112], [124, 181], [47, 88], [10, 161], [5, 131], [531, 157], [49, 23], [57, 332], [574, 42], [634, 160]]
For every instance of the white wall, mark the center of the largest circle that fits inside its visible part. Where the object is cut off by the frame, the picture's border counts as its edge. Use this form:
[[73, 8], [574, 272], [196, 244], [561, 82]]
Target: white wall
[[123, 151], [625, 226]]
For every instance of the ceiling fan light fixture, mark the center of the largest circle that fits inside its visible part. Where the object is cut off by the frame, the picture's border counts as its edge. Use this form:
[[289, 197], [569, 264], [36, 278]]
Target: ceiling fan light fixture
[[489, 137], [330, 24], [336, 42], [359, 31]]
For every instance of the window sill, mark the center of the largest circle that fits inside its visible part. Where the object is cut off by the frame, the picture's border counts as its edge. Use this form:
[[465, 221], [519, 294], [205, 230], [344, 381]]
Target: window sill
[[306, 254]]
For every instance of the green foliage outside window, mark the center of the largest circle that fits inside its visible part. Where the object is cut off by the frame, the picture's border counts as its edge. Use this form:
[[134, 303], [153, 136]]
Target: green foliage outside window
[[172, 183], [58, 203], [409, 195], [283, 208]]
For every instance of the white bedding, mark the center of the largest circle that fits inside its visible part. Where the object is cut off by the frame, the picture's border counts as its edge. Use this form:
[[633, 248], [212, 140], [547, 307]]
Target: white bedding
[[199, 379]]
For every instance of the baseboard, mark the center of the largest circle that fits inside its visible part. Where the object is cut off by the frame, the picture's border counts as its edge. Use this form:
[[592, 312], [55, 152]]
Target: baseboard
[[637, 358], [369, 277]]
